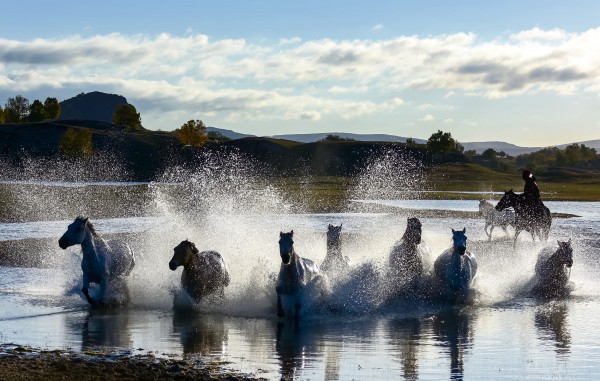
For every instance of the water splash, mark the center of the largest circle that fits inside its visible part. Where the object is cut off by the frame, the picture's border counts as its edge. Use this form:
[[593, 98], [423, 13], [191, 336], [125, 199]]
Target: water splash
[[229, 205]]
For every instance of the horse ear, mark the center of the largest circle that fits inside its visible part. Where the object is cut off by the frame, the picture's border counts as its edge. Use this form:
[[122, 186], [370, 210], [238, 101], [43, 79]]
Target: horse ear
[[281, 234], [453, 231], [464, 230], [341, 226], [86, 220], [292, 233]]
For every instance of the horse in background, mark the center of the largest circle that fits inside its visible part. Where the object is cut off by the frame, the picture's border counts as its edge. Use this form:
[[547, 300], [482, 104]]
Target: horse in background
[[299, 279], [495, 218], [204, 273], [334, 261], [553, 270], [104, 262], [455, 269], [533, 218], [406, 261]]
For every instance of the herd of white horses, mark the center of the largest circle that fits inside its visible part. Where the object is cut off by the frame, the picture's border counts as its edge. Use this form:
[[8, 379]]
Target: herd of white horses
[[205, 273]]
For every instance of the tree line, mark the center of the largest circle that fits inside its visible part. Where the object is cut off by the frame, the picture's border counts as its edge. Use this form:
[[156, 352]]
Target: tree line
[[441, 145], [20, 110]]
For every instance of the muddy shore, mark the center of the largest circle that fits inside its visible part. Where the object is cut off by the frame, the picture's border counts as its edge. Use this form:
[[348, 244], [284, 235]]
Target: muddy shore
[[25, 363]]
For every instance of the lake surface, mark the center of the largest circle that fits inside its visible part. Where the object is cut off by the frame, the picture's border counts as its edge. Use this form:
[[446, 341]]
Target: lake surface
[[505, 334]]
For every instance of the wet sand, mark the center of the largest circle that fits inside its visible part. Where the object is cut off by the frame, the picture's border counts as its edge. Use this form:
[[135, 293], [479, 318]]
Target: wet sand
[[25, 363]]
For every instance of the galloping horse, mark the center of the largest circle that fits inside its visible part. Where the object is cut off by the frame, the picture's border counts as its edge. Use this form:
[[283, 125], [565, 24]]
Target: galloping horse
[[406, 265], [456, 267], [553, 269], [296, 276], [204, 273], [334, 261], [535, 219], [102, 262], [495, 217]]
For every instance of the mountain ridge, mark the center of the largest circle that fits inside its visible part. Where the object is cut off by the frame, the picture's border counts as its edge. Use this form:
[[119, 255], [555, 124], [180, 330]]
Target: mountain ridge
[[479, 147]]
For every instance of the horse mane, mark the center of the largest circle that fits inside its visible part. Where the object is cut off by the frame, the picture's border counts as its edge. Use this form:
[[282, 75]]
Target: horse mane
[[88, 223]]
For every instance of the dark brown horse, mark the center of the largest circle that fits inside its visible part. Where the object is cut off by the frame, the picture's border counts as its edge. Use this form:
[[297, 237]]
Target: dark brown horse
[[533, 217], [204, 273]]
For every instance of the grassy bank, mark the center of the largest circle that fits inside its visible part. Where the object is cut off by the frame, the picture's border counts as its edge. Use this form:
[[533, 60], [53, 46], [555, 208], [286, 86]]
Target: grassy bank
[[332, 194]]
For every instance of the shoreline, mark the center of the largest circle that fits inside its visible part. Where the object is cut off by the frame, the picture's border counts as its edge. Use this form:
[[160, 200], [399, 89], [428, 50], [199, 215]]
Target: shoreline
[[25, 363]]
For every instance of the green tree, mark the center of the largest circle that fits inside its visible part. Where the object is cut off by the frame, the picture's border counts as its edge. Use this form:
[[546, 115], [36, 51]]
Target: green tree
[[2, 118], [193, 133], [411, 142], [489, 154], [52, 107], [37, 112], [76, 143], [336, 138], [127, 117], [16, 109], [217, 136], [443, 143]]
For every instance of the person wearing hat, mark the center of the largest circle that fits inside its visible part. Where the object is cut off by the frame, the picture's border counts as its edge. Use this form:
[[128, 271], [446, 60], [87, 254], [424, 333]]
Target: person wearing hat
[[531, 190]]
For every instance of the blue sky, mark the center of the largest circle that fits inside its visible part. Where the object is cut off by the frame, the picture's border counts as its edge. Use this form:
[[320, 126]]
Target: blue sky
[[525, 72]]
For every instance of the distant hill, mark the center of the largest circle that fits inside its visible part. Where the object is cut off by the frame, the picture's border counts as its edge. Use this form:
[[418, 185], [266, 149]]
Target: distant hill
[[96, 106], [228, 133], [479, 147], [309, 138]]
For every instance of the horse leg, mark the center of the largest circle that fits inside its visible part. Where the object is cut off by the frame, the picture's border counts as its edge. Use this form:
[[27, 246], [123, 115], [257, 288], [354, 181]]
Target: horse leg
[[85, 290], [491, 230], [280, 312], [517, 231]]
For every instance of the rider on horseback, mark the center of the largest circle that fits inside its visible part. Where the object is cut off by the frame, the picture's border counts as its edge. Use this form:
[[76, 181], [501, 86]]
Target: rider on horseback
[[532, 192]]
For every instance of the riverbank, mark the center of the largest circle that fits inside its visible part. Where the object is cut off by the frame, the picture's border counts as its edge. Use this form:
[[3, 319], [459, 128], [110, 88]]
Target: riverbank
[[25, 363]]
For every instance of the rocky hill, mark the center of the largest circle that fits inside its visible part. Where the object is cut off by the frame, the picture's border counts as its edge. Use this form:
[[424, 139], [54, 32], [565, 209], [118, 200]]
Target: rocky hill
[[95, 106]]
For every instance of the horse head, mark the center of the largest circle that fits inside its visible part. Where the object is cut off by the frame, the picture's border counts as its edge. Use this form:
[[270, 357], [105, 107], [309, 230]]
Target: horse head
[[333, 235], [286, 246], [460, 240], [565, 253], [75, 233], [413, 230], [506, 201], [182, 254]]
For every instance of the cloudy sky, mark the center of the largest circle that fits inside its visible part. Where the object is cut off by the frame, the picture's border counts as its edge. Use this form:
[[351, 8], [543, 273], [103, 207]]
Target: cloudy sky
[[524, 72]]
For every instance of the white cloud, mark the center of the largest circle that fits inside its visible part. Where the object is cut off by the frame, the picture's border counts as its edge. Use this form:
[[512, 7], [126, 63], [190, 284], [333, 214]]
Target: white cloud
[[427, 118], [448, 120], [378, 27], [294, 79]]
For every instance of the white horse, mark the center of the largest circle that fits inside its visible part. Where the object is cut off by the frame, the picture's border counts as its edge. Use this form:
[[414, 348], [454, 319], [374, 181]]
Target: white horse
[[553, 269], [406, 261], [455, 268], [103, 261], [334, 261], [297, 278], [204, 273], [495, 217]]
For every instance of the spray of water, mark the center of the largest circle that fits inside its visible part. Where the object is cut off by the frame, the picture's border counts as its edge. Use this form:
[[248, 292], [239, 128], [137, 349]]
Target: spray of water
[[228, 205]]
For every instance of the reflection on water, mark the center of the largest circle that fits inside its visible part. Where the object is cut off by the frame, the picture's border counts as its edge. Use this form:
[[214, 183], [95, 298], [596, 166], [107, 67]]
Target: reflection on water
[[405, 337], [294, 342], [552, 324], [452, 328], [200, 333], [102, 328]]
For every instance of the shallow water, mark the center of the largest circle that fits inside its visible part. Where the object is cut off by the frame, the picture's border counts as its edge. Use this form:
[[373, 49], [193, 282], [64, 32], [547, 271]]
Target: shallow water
[[504, 335]]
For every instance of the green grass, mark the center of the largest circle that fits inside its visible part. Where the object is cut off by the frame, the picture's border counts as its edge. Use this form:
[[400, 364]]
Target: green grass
[[331, 194]]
